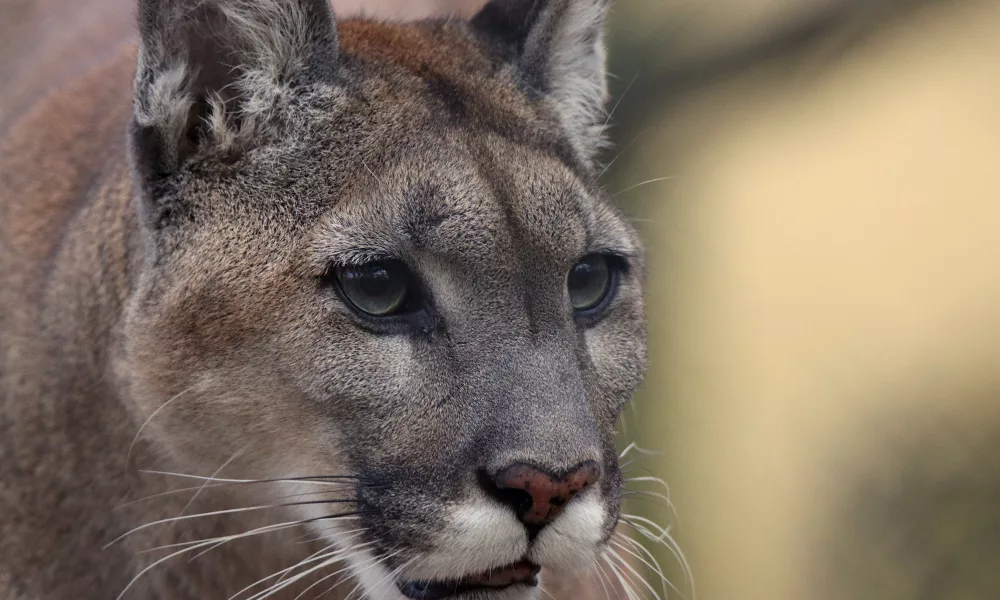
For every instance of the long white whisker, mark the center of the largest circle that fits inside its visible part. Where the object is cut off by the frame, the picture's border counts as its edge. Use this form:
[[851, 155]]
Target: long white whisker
[[340, 571], [641, 450], [189, 544], [207, 481], [602, 577], [666, 540], [187, 517], [329, 559], [649, 478], [321, 554], [647, 182], [242, 481], [615, 159], [624, 563], [208, 485], [169, 493], [363, 569], [330, 576], [207, 550], [654, 565], [629, 591], [627, 450], [354, 533], [257, 531], [542, 589], [620, 98], [131, 446], [291, 580], [663, 497]]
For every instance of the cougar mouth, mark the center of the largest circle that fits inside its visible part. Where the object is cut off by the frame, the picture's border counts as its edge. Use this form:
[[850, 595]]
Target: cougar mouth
[[520, 573]]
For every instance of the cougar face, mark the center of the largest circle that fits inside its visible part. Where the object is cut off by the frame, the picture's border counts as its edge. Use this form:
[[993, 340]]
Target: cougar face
[[377, 259]]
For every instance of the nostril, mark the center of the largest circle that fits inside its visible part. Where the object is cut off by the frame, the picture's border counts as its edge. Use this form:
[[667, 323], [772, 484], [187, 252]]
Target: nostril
[[538, 496], [519, 500]]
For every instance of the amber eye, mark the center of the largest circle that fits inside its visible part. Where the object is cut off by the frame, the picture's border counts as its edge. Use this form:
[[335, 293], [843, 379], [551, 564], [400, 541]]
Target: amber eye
[[378, 288], [590, 282]]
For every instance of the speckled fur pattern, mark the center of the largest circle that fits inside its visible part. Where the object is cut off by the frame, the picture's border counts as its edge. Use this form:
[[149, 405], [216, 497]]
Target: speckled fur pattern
[[165, 252]]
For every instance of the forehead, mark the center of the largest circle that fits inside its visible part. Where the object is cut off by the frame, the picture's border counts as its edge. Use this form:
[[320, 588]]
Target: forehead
[[478, 170], [467, 201]]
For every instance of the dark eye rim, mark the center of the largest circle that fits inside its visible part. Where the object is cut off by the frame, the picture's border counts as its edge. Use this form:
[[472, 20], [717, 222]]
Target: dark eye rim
[[414, 313], [617, 267]]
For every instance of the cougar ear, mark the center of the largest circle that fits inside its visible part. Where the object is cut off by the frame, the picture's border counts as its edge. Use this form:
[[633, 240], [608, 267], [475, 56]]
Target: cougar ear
[[559, 48], [216, 72]]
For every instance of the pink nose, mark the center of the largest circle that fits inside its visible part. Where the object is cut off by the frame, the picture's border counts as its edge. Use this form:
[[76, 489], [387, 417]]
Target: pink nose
[[537, 496]]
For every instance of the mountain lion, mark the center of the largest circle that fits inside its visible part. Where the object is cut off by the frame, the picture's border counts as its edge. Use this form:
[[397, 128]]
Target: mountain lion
[[313, 306]]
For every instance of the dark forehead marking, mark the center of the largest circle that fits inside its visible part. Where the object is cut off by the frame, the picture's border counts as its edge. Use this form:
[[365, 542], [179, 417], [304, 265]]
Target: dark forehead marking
[[471, 85], [526, 251], [426, 212]]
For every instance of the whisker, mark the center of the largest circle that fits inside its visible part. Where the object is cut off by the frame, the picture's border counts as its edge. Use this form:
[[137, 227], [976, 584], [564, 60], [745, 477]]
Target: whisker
[[626, 586], [602, 578], [216, 513], [647, 182], [206, 482], [391, 575], [353, 534], [541, 588], [218, 485], [363, 569], [619, 101], [252, 532], [168, 493], [327, 577], [657, 568], [131, 447], [328, 559], [620, 153], [287, 496], [666, 540], [321, 554], [651, 479], [652, 497], [277, 587], [313, 479], [624, 563]]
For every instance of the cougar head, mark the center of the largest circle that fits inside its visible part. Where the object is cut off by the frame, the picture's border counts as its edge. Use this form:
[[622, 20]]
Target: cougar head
[[376, 258]]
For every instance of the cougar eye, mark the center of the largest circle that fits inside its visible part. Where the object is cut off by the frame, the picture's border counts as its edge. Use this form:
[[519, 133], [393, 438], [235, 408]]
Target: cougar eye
[[590, 283], [378, 288]]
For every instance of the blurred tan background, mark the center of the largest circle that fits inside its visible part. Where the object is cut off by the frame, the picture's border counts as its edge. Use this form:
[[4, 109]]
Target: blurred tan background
[[819, 185]]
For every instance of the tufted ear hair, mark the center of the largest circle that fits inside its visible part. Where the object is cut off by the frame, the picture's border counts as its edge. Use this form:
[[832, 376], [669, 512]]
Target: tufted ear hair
[[215, 73], [558, 45]]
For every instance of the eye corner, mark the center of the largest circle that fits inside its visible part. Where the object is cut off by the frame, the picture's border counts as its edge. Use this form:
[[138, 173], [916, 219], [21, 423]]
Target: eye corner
[[381, 291], [619, 259], [592, 284]]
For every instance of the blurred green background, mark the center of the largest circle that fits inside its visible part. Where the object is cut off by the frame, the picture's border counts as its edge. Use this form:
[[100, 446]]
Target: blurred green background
[[818, 184]]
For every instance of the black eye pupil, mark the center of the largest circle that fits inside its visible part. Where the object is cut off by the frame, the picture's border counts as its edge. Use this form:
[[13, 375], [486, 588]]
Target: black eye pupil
[[377, 289], [589, 282], [374, 281], [381, 288]]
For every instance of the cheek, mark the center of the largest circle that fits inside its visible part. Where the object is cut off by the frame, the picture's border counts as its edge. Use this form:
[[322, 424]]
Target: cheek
[[387, 395], [618, 355]]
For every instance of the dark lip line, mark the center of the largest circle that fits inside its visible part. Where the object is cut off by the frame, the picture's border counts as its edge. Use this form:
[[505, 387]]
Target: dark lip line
[[460, 589], [453, 587]]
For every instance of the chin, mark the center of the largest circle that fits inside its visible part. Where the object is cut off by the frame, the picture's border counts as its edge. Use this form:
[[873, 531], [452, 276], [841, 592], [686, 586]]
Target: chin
[[515, 581]]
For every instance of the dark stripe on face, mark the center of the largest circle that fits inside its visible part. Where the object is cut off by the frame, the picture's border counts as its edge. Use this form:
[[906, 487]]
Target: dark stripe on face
[[493, 176], [462, 106]]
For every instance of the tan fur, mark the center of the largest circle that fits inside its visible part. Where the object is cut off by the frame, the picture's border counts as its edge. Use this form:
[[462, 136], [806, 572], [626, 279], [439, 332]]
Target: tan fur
[[208, 337]]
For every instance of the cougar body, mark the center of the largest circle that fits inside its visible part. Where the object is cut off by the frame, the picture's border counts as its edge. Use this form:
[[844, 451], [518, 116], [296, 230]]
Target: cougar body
[[179, 204]]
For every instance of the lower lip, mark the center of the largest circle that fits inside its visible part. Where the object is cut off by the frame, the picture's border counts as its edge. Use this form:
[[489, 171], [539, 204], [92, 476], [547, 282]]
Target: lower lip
[[519, 573]]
